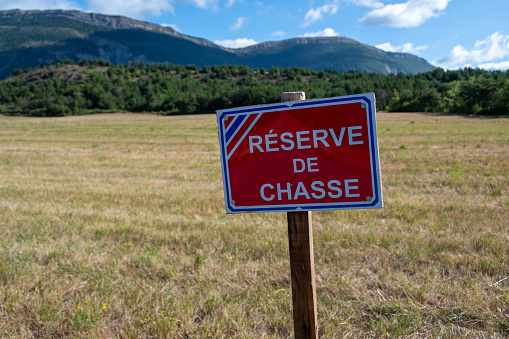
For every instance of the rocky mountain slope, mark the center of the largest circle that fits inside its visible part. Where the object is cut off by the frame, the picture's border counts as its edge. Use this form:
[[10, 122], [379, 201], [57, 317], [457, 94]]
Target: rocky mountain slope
[[31, 38]]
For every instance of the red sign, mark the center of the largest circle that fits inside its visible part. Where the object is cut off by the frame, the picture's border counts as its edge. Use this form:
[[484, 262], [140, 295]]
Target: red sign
[[302, 155]]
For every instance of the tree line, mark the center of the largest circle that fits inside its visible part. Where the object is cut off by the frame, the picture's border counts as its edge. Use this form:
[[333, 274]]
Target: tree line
[[66, 88]]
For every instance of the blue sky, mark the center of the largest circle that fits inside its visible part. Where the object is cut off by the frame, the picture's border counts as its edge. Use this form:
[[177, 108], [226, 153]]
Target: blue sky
[[448, 33]]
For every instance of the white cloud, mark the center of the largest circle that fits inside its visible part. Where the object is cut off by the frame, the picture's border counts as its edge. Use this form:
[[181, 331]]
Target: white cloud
[[132, 8], [485, 54], [230, 3], [237, 43], [405, 48], [504, 65], [368, 3], [412, 13], [323, 32], [203, 4], [139, 9], [278, 34], [38, 4], [314, 15], [238, 24]]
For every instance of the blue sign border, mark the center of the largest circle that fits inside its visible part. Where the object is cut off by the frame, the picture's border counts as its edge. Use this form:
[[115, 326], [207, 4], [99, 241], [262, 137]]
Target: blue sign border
[[368, 98]]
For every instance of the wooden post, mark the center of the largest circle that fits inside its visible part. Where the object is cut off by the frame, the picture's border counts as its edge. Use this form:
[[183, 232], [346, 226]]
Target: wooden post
[[302, 263]]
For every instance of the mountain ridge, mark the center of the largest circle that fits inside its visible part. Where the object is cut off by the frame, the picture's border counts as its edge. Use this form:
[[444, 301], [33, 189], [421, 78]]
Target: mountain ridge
[[29, 38], [111, 21]]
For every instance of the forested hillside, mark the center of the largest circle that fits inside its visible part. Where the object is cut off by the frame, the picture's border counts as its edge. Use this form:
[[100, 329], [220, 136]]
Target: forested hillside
[[97, 86], [31, 38]]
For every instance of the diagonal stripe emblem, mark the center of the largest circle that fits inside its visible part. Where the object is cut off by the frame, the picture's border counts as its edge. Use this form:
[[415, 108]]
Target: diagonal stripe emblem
[[237, 131]]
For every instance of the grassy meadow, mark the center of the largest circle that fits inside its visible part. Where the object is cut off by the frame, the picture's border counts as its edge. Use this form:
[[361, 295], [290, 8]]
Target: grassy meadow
[[113, 226]]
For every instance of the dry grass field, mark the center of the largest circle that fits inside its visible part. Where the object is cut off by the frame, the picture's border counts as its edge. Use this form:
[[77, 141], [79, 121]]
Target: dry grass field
[[113, 226]]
